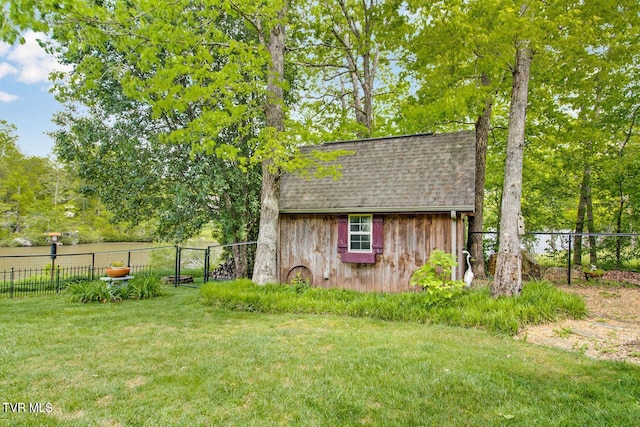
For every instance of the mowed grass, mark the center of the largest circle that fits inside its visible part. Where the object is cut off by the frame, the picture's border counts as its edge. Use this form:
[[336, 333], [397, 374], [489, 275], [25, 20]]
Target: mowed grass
[[172, 361]]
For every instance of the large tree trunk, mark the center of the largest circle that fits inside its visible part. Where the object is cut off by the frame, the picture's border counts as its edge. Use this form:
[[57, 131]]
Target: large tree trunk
[[265, 269], [476, 222], [508, 277]]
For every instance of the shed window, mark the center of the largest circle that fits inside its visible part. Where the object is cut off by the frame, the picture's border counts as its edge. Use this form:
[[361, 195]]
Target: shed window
[[360, 233], [360, 238]]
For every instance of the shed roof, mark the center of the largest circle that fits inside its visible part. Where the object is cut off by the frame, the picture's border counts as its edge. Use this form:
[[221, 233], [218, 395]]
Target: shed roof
[[414, 173]]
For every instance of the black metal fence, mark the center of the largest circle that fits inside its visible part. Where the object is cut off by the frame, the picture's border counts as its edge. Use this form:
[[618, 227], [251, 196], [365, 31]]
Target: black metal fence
[[216, 262], [22, 275], [577, 251]]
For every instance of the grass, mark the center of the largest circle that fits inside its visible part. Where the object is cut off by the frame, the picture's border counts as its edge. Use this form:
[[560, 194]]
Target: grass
[[173, 361], [540, 302]]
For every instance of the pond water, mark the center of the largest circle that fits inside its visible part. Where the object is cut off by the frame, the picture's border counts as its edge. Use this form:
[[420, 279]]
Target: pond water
[[96, 255], [76, 249]]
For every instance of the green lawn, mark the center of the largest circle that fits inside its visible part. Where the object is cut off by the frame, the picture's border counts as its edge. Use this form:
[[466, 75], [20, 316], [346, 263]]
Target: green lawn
[[174, 361]]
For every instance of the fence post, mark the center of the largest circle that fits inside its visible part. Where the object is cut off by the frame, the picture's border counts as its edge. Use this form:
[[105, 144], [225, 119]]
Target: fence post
[[177, 268], [11, 284], [569, 260], [93, 266], [206, 264]]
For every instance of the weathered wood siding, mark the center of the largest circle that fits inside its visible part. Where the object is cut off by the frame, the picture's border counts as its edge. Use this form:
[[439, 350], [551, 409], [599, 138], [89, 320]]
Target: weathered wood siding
[[311, 241]]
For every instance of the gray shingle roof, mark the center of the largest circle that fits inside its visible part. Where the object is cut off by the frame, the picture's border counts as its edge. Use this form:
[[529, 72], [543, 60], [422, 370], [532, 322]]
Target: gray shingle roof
[[415, 173]]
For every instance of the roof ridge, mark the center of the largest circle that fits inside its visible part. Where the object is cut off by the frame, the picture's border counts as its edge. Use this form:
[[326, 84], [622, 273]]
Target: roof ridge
[[380, 138]]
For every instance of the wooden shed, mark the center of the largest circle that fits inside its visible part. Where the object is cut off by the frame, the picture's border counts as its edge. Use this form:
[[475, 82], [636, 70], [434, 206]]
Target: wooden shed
[[398, 199]]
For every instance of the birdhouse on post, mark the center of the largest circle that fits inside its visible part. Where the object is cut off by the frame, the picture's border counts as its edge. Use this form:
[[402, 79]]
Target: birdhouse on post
[[54, 238]]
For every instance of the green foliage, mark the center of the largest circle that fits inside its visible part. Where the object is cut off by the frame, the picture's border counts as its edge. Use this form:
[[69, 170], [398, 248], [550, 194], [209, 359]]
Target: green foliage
[[583, 102], [353, 86], [298, 282], [173, 115], [37, 196], [144, 286], [163, 139], [140, 288], [539, 302], [93, 291], [435, 277], [162, 259]]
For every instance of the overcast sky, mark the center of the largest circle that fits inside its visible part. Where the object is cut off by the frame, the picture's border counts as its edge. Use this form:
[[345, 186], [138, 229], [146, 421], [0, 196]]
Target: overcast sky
[[25, 100]]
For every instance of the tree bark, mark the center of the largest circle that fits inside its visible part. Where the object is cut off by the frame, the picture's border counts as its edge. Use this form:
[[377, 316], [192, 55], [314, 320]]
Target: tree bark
[[265, 268], [593, 256], [582, 208], [585, 214], [476, 222], [508, 277], [240, 261], [619, 212], [620, 182]]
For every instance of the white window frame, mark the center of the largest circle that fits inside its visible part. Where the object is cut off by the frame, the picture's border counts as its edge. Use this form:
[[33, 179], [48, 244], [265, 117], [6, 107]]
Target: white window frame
[[360, 233]]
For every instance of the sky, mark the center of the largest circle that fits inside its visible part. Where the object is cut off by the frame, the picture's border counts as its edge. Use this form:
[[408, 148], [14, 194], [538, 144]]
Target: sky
[[25, 98]]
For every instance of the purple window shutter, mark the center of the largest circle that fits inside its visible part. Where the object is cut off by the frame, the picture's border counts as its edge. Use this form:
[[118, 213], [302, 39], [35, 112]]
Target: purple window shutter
[[343, 233], [378, 233], [360, 257]]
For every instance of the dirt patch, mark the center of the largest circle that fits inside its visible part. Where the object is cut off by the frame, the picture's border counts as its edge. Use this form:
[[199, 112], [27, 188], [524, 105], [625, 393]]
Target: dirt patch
[[622, 276], [136, 382], [610, 331]]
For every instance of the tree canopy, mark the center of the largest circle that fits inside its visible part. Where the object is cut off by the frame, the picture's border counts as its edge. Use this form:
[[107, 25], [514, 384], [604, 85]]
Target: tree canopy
[[222, 93]]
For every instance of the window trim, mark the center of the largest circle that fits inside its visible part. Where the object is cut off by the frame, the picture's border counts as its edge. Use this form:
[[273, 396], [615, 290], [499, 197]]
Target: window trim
[[360, 233]]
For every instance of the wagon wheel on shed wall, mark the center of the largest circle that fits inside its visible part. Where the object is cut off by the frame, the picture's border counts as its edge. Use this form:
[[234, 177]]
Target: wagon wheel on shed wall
[[300, 273]]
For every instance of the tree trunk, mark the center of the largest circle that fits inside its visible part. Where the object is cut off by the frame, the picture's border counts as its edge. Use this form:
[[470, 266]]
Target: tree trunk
[[593, 256], [476, 222], [240, 260], [620, 181], [582, 208], [619, 226], [265, 269], [508, 277]]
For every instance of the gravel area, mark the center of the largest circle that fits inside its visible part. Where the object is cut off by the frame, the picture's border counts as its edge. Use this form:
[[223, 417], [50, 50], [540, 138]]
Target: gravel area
[[610, 331]]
